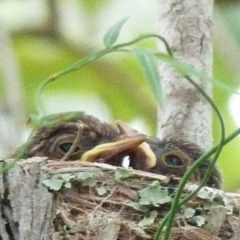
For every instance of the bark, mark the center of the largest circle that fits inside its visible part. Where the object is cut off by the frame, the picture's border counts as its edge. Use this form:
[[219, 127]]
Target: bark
[[187, 27], [30, 211]]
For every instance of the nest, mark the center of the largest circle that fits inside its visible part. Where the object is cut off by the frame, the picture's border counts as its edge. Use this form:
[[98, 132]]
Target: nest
[[84, 212], [43, 199]]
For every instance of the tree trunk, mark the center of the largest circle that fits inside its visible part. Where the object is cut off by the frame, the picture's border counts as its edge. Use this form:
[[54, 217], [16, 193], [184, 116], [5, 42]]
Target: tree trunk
[[187, 27], [95, 205]]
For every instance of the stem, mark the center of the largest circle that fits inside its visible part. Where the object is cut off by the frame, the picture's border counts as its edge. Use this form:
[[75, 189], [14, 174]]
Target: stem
[[175, 204], [85, 61]]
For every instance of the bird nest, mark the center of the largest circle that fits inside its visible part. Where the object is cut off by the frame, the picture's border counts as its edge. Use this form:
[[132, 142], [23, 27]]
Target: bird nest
[[55, 200], [97, 205], [99, 201]]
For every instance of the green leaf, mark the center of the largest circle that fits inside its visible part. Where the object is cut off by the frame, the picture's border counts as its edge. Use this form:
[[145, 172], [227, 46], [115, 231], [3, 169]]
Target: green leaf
[[148, 221], [189, 213], [154, 195], [123, 173], [68, 185], [66, 177], [101, 190], [200, 220], [149, 66], [137, 206], [53, 183], [228, 203], [84, 175], [186, 69], [112, 35], [206, 193], [87, 179]]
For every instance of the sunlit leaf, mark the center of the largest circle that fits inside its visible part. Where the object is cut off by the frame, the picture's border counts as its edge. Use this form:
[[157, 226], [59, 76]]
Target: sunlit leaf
[[149, 66], [112, 35]]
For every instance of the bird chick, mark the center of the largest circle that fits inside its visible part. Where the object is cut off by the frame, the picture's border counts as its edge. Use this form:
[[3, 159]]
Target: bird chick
[[173, 157], [83, 137], [77, 136]]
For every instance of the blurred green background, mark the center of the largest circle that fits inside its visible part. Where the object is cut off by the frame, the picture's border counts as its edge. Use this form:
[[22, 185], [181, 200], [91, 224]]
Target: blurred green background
[[40, 37]]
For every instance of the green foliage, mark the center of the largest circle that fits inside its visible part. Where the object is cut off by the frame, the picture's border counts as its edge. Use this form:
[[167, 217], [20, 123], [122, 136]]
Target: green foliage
[[101, 190], [154, 195], [86, 178], [189, 212], [149, 220], [112, 35], [150, 68], [58, 181], [123, 173]]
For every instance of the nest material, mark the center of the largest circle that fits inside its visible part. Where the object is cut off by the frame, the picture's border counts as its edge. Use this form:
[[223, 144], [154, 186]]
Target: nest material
[[81, 211], [84, 214]]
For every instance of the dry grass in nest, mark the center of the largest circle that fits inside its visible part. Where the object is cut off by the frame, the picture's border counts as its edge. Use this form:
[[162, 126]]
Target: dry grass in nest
[[84, 213], [91, 201]]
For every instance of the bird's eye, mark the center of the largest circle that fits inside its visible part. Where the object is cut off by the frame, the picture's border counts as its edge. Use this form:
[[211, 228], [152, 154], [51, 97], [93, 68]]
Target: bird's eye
[[173, 160], [66, 146]]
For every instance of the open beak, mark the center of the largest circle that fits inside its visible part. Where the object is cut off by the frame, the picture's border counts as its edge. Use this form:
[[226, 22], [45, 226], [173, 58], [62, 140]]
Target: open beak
[[147, 157], [143, 152], [106, 151], [131, 144]]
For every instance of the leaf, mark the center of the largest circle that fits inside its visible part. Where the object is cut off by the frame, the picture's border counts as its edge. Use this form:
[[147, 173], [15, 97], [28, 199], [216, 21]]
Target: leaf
[[87, 179], [206, 193], [65, 176], [200, 220], [123, 173], [228, 203], [154, 195], [68, 185], [149, 66], [189, 213], [59, 118], [53, 183], [101, 190], [148, 221], [84, 175], [186, 69], [112, 34], [137, 206]]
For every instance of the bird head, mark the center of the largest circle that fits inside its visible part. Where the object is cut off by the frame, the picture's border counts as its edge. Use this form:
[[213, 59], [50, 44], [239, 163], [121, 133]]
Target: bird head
[[56, 135], [176, 157]]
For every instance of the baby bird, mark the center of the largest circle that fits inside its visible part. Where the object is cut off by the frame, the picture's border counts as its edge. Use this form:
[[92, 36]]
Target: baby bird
[[77, 136], [174, 156]]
